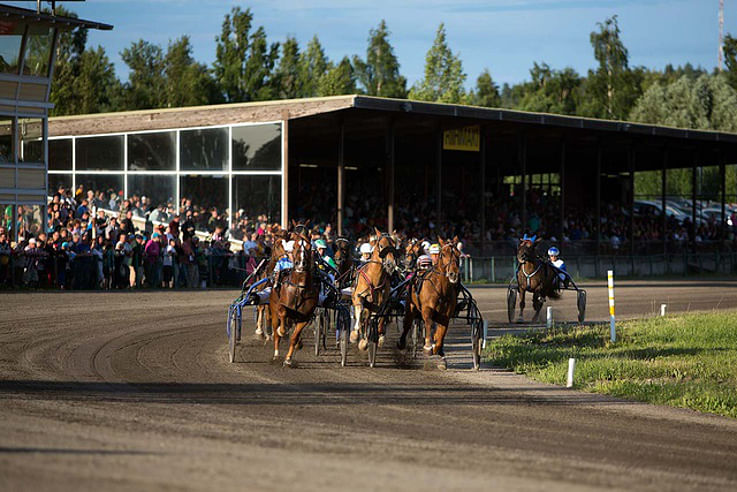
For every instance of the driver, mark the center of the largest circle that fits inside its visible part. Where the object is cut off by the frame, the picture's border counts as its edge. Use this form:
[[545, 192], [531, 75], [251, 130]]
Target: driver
[[366, 251], [557, 262], [434, 253], [322, 249], [283, 263]]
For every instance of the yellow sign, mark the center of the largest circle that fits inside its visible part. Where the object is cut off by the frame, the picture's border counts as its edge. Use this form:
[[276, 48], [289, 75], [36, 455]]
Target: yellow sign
[[467, 139]]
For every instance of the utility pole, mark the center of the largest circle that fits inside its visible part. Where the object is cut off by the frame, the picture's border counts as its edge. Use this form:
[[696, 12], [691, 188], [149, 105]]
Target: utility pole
[[721, 33]]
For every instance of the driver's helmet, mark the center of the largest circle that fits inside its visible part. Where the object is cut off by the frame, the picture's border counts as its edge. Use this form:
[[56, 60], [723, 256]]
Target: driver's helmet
[[321, 244], [426, 247], [366, 249], [435, 249], [553, 251]]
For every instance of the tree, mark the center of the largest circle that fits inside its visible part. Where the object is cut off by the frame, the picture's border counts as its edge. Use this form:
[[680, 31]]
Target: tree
[[188, 83], [313, 65], [551, 91], [444, 77], [98, 88], [244, 61], [612, 88], [379, 73], [145, 88], [286, 77], [730, 59], [338, 80], [67, 67], [487, 92]]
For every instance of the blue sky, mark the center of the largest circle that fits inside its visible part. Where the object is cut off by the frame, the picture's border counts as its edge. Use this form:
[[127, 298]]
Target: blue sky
[[506, 36]]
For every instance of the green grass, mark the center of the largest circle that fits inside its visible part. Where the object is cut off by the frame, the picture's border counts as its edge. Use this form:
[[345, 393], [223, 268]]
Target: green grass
[[684, 361]]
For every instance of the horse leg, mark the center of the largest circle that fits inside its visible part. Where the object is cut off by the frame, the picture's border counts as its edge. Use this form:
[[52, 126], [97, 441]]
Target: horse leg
[[521, 295], [357, 308], [427, 318], [537, 304], [260, 321], [275, 320], [438, 346], [382, 336], [293, 343]]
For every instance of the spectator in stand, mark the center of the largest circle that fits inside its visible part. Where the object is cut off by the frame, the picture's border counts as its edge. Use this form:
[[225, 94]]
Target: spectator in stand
[[153, 260], [137, 247], [170, 257]]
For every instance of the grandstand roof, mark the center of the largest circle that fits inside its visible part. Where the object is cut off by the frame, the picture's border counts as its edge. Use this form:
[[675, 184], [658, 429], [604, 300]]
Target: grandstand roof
[[8, 12]]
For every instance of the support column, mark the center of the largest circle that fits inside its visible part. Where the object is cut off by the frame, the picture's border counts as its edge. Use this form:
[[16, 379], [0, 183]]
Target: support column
[[522, 156], [439, 174], [597, 219], [285, 170], [693, 204], [631, 162], [664, 217], [390, 183], [482, 171], [723, 187], [562, 182], [341, 178]]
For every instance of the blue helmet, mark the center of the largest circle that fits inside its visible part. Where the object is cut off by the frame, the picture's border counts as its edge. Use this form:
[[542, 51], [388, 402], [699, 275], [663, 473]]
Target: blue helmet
[[553, 251]]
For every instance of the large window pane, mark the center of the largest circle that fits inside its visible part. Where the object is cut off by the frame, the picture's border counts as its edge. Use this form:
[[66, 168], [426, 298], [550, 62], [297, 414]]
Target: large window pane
[[57, 181], [6, 139], [111, 185], [38, 50], [152, 151], [153, 191], [100, 153], [204, 149], [205, 199], [11, 35], [256, 199], [30, 133], [60, 155], [257, 147]]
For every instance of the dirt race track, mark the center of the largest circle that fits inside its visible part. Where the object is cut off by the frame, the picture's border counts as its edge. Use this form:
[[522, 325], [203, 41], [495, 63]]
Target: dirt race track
[[131, 391]]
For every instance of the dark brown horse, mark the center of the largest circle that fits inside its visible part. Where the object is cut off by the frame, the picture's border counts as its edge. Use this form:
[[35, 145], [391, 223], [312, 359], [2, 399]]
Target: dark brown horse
[[534, 275], [373, 285], [343, 257], [294, 302], [436, 299]]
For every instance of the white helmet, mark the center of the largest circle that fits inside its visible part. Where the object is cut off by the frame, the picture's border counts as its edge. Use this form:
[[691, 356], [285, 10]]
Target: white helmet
[[426, 247], [366, 249]]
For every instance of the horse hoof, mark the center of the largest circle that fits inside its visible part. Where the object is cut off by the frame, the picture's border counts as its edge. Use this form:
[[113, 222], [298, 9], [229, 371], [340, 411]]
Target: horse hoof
[[442, 365], [427, 349], [363, 344], [275, 359], [354, 336], [259, 331], [280, 331], [382, 339], [401, 344], [289, 363]]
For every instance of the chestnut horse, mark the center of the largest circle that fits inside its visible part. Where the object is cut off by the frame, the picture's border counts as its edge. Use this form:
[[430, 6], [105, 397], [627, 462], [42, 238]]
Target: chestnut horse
[[372, 285], [436, 299], [277, 252], [534, 275], [295, 300]]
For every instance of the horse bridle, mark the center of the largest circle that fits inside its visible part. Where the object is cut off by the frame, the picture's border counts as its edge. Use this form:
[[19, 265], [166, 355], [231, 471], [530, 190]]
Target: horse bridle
[[447, 266]]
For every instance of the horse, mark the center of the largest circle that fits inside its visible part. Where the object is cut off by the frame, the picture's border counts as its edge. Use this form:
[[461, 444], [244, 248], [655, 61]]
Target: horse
[[372, 285], [343, 258], [435, 300], [534, 275], [295, 300], [277, 252], [412, 251]]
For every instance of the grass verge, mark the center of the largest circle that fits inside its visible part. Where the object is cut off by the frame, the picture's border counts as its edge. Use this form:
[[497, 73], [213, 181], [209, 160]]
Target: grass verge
[[684, 361]]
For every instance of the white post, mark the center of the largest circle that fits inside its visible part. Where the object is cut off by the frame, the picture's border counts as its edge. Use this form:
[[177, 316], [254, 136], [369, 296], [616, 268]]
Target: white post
[[549, 319], [486, 333], [571, 368], [612, 330], [662, 309]]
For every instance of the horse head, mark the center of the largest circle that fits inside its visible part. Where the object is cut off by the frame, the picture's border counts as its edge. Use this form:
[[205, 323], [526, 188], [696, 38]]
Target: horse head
[[385, 251], [302, 253], [526, 248], [412, 251], [342, 255], [449, 261]]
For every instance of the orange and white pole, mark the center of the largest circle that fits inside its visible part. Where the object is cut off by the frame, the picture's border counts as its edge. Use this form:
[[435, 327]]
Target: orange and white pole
[[612, 330]]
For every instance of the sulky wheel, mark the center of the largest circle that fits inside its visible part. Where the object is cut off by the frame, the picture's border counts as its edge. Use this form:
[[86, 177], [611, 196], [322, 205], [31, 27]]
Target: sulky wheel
[[581, 304], [476, 344], [317, 331], [232, 334], [511, 303]]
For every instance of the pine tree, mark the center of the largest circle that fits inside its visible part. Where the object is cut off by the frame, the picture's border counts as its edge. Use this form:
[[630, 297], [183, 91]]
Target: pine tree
[[487, 92], [338, 80], [98, 88], [244, 61], [188, 83], [285, 82], [444, 77], [145, 88], [379, 73], [313, 65], [67, 66], [730, 59]]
